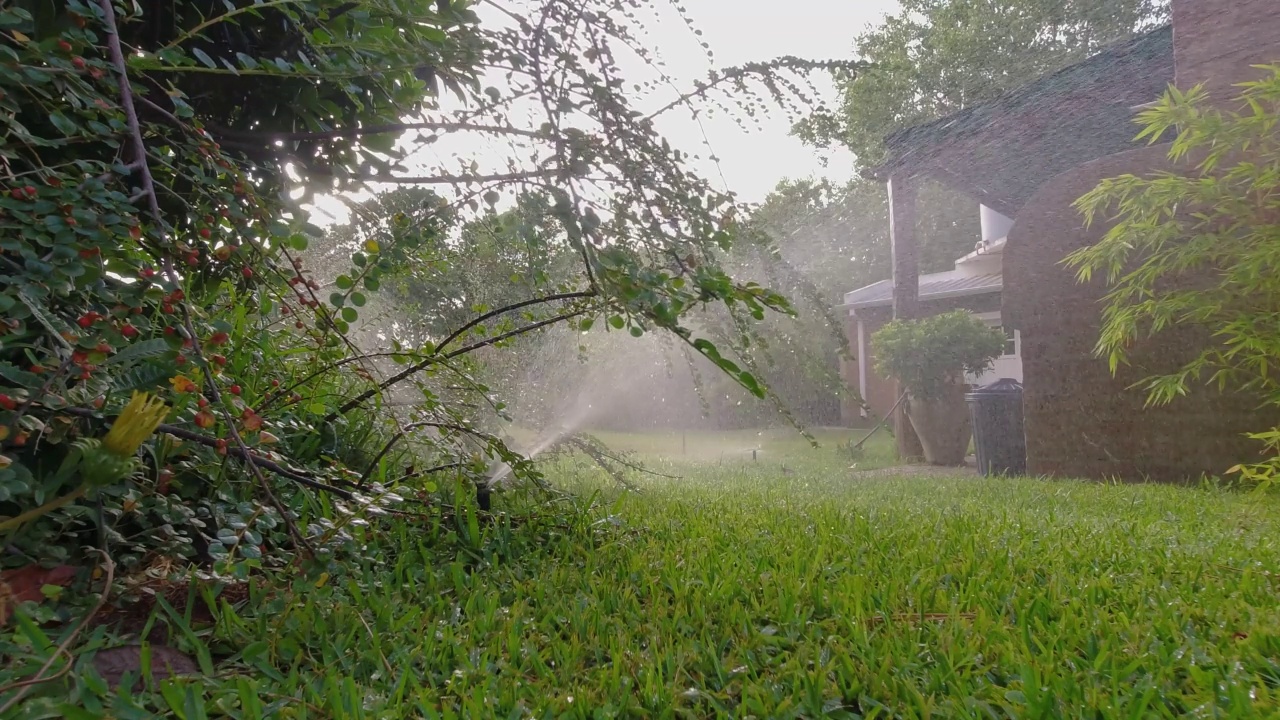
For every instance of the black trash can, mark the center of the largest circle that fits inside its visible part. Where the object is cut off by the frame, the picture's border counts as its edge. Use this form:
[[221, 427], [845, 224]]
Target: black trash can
[[998, 438]]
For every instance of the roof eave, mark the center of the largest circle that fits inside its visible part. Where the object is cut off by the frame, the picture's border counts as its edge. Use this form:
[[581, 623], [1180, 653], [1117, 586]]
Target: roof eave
[[945, 295]]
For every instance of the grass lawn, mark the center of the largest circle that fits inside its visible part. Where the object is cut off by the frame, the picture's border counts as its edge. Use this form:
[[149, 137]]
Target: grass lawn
[[742, 591]]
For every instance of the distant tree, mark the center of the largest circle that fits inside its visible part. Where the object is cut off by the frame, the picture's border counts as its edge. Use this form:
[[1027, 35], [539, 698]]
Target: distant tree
[[939, 56]]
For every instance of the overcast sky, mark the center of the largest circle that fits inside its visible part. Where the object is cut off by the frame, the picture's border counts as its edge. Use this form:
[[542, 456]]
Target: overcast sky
[[752, 161], [741, 31]]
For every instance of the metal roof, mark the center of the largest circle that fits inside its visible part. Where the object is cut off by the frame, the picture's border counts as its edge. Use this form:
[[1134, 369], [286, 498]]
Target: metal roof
[[937, 286]]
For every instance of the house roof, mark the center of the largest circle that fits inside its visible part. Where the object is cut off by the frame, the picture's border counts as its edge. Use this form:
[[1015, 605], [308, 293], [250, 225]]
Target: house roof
[[936, 286], [1000, 151]]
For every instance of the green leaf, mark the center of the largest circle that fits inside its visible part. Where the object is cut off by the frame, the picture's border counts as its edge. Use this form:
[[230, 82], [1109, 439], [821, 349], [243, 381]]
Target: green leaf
[[344, 282], [154, 347], [349, 314], [317, 408], [371, 284], [617, 322], [64, 124], [358, 299], [337, 299], [585, 324], [203, 57]]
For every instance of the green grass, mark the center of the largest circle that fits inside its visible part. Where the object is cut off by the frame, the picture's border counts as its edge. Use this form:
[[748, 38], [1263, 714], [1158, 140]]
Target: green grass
[[738, 591]]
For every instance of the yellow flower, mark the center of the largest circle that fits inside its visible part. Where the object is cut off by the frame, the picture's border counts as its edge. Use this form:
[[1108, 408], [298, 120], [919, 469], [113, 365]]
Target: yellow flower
[[183, 384], [137, 422]]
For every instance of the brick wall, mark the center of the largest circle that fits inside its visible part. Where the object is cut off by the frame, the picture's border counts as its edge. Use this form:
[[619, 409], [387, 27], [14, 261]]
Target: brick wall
[[1218, 41], [1081, 421]]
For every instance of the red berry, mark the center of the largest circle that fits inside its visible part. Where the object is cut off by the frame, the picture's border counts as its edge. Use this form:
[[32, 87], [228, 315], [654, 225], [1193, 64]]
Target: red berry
[[30, 190], [170, 331], [284, 310], [99, 401], [147, 273], [202, 402], [17, 193], [246, 271], [221, 445], [135, 232], [64, 46], [193, 259], [89, 253], [177, 296], [7, 403], [204, 233], [275, 383], [103, 348], [181, 359], [78, 62], [205, 419], [37, 369], [166, 308], [86, 321], [299, 325], [129, 331], [234, 389], [218, 359], [218, 338]]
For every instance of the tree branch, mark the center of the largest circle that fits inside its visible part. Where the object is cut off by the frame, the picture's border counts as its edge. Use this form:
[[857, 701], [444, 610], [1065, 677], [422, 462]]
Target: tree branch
[[517, 306], [269, 137], [414, 369]]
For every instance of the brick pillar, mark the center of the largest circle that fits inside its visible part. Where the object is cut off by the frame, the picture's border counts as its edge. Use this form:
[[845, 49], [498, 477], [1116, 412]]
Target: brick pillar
[[1216, 42]]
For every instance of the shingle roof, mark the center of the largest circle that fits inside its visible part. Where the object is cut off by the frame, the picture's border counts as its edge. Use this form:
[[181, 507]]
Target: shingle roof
[[1008, 146], [937, 286]]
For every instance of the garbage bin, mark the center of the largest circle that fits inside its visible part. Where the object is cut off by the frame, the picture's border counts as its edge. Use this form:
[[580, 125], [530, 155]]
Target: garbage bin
[[998, 439]]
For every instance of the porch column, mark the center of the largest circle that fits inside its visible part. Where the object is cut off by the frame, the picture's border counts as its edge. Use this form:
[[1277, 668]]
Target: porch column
[[906, 291]]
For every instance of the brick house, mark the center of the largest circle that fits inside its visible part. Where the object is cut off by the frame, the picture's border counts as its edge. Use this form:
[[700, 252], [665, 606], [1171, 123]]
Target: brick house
[[974, 284], [1027, 156]]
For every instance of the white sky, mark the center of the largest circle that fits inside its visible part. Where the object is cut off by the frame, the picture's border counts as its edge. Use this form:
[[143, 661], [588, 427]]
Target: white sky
[[741, 31], [752, 161]]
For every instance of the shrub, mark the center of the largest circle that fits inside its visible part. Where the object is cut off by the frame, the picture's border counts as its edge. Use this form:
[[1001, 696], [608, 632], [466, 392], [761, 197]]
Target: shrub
[[928, 354]]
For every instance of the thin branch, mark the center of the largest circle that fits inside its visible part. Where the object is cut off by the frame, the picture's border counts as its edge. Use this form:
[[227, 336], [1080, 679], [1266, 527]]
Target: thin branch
[[268, 137], [244, 455], [419, 367], [509, 308], [440, 179]]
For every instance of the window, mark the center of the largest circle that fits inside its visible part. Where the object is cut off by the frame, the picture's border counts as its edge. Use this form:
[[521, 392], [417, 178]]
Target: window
[[1012, 342], [1012, 338]]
